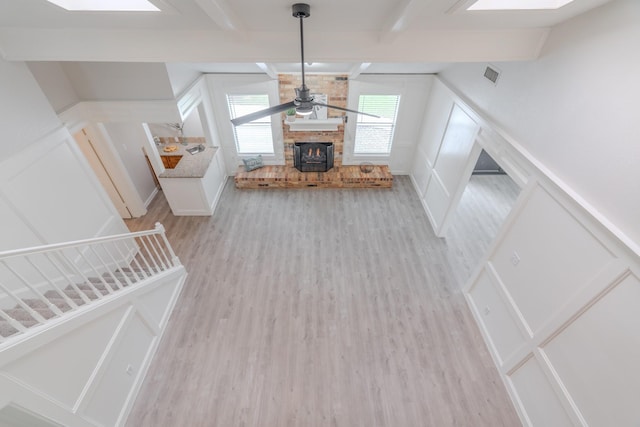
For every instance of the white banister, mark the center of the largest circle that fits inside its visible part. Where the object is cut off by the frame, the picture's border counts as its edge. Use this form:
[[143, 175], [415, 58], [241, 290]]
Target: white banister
[[65, 245], [46, 282], [32, 289]]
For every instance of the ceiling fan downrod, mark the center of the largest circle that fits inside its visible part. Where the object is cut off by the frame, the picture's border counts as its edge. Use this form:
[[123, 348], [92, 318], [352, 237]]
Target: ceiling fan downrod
[[303, 103], [301, 11]]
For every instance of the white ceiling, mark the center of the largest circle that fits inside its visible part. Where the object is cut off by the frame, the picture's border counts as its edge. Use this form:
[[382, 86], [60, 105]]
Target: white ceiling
[[232, 36]]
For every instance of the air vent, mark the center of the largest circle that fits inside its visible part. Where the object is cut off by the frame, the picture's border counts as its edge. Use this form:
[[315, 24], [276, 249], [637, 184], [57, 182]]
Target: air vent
[[492, 75]]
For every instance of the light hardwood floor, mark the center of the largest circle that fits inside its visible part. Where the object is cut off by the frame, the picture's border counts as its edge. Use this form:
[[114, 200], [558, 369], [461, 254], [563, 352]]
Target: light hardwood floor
[[323, 307]]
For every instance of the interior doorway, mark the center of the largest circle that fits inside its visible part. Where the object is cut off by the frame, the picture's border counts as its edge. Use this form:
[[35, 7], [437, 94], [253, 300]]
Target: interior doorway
[[488, 197], [97, 164]]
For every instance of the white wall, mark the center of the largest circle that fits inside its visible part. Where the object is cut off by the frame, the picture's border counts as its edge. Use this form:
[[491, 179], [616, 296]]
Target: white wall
[[85, 370], [55, 84], [219, 86], [192, 127], [181, 76], [48, 192], [119, 81], [556, 295], [414, 92], [128, 139], [556, 300], [575, 108], [24, 110]]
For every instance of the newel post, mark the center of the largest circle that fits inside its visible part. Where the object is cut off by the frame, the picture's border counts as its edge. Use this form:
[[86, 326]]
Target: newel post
[[174, 258]]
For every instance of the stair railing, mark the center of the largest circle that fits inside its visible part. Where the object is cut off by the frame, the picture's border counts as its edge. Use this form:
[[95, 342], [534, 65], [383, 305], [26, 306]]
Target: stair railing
[[44, 282]]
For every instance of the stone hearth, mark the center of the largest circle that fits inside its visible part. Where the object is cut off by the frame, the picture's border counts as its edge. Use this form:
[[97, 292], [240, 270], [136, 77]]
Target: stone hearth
[[338, 177]]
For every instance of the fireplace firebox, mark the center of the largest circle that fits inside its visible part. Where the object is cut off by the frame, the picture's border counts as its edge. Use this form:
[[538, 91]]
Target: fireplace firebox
[[313, 156]]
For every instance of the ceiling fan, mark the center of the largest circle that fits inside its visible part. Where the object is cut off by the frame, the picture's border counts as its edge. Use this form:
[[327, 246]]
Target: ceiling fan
[[304, 103]]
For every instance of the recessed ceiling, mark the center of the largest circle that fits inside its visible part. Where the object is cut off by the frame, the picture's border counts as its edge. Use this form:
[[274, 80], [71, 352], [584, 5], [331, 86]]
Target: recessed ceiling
[[360, 35]]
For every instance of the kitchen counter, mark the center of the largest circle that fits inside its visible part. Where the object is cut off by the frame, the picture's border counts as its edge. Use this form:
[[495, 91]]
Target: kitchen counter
[[191, 165], [194, 186]]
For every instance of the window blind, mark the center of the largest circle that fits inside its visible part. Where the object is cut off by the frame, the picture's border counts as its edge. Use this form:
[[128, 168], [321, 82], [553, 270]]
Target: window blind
[[375, 135], [254, 137]]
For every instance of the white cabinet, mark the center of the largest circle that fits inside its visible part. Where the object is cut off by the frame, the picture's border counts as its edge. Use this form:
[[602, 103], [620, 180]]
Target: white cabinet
[[196, 196]]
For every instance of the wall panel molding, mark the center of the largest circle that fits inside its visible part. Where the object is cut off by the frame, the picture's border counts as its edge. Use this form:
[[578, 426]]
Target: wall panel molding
[[555, 295]]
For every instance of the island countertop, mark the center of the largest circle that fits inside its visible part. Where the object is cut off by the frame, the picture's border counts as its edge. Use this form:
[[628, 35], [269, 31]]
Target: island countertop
[[191, 165]]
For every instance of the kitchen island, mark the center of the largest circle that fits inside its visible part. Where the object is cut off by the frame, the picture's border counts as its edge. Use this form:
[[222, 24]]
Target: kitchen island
[[193, 186]]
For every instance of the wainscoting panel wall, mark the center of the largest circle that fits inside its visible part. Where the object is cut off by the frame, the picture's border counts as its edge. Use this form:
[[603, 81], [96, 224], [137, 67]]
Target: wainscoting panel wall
[[504, 334], [556, 301], [44, 202], [439, 108], [451, 168], [556, 296], [596, 356], [55, 371], [541, 282], [118, 377], [533, 391], [86, 370], [49, 194]]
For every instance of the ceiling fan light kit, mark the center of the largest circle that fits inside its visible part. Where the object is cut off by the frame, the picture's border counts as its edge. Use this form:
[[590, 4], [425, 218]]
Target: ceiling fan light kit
[[304, 103]]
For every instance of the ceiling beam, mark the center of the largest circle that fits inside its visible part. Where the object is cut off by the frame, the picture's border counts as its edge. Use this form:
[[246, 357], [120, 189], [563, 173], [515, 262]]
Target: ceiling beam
[[459, 6], [28, 44], [220, 13], [398, 21], [268, 69], [358, 69]]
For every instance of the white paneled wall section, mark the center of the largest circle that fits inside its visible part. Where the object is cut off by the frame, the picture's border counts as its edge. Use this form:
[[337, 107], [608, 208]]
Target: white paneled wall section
[[413, 90], [87, 370], [556, 295]]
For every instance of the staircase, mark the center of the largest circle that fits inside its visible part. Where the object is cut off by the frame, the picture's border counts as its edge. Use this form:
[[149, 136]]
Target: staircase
[[80, 323], [42, 284], [56, 303]]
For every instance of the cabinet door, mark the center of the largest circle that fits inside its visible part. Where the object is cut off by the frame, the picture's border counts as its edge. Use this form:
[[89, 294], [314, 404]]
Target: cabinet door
[[170, 162], [173, 161]]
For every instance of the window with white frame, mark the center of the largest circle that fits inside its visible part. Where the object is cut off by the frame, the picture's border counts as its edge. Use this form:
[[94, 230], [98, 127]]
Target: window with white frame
[[375, 135], [254, 137]]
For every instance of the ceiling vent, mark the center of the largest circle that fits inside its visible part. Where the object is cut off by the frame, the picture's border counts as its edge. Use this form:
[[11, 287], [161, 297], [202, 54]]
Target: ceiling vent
[[492, 75]]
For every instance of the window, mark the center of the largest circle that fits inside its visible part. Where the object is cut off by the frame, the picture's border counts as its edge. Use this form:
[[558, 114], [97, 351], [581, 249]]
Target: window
[[254, 137], [375, 135]]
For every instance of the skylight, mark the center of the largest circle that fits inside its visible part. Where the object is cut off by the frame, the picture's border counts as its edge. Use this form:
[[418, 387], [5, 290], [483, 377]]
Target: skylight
[[107, 5], [517, 4]]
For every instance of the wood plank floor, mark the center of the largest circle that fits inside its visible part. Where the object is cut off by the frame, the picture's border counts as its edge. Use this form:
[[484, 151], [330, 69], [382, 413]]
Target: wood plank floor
[[323, 307]]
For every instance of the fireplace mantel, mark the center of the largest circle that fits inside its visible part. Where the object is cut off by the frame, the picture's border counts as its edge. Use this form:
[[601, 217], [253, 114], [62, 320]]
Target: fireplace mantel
[[302, 125]]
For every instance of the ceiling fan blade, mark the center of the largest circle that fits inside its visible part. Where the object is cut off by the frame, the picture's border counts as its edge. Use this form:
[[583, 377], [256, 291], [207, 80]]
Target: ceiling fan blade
[[344, 109], [262, 113]]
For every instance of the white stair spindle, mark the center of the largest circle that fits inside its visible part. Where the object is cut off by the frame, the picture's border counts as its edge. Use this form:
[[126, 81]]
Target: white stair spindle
[[47, 280]]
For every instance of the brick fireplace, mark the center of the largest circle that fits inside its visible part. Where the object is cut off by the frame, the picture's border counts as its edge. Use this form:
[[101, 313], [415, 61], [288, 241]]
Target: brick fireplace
[[336, 87]]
